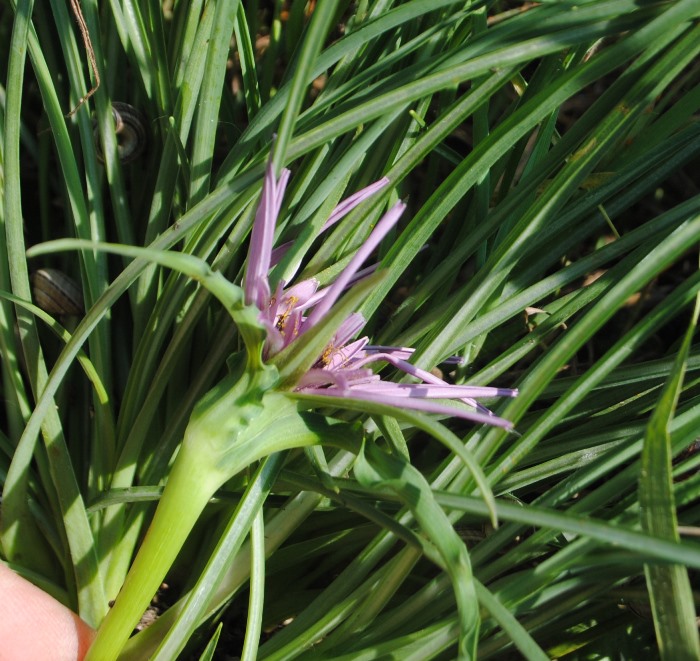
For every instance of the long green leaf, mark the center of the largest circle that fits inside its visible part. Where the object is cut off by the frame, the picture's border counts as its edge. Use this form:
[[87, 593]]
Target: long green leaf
[[669, 585]]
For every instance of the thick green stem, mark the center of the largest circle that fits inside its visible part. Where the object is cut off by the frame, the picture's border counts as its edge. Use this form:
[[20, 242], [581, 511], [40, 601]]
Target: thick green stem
[[189, 488], [223, 436]]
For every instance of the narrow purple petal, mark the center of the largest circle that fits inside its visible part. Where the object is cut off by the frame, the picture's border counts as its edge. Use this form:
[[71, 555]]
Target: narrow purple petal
[[380, 231], [429, 377], [403, 365], [274, 341], [349, 328], [280, 189], [363, 273], [279, 252], [342, 357], [347, 205], [256, 287], [263, 225], [408, 403], [404, 353], [317, 377], [360, 275], [430, 391], [291, 325], [300, 293]]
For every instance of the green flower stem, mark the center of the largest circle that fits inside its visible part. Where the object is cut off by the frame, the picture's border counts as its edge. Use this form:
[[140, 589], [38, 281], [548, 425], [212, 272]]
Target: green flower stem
[[219, 442], [233, 426], [190, 486]]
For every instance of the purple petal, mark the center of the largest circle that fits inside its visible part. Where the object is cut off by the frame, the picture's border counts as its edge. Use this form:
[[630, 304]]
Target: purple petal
[[347, 205], [301, 293], [404, 353], [429, 378], [360, 275], [269, 314], [380, 231], [409, 403], [349, 328], [291, 326], [317, 377], [279, 252], [344, 355], [256, 287], [430, 391], [274, 342]]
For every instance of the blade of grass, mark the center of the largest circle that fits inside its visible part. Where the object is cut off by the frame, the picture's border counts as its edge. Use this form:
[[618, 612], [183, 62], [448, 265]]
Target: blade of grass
[[669, 585], [377, 468], [17, 521]]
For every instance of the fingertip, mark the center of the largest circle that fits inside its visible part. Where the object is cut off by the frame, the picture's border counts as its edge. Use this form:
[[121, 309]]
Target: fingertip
[[33, 625]]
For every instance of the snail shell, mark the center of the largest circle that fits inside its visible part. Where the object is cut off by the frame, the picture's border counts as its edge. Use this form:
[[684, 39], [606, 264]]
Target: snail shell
[[130, 129], [54, 292]]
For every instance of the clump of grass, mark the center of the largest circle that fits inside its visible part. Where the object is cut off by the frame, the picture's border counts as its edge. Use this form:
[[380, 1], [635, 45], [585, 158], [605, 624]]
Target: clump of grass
[[546, 156]]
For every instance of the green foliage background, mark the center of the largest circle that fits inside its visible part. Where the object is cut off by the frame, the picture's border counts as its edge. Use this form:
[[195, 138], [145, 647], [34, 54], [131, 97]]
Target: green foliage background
[[549, 156]]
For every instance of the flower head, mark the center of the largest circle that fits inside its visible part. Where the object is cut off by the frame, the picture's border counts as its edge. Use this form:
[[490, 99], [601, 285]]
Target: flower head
[[342, 368]]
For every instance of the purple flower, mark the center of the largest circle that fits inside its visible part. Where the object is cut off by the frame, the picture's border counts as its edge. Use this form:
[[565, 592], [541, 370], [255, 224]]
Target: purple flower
[[342, 368]]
